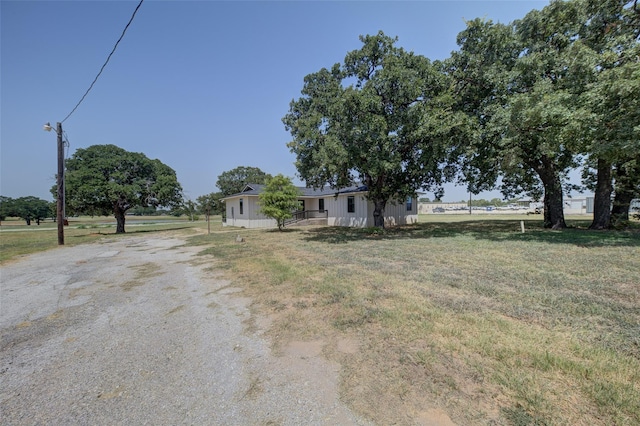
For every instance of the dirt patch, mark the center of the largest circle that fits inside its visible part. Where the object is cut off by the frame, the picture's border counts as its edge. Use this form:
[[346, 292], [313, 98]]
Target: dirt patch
[[434, 417], [194, 354], [355, 363], [303, 350], [348, 345]]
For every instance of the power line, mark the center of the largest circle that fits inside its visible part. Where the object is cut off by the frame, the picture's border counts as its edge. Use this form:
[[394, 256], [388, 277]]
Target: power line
[[67, 144], [105, 63]]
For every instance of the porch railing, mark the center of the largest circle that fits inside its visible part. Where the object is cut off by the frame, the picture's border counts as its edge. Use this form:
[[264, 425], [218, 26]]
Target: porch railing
[[301, 215]]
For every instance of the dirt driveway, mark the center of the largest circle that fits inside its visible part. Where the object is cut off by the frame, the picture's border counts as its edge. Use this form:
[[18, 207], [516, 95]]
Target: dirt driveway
[[138, 330]]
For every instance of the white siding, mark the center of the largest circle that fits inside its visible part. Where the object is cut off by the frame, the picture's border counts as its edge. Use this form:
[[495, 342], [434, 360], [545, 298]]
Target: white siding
[[336, 207], [338, 214], [573, 206], [397, 214], [250, 217], [254, 209], [247, 223]]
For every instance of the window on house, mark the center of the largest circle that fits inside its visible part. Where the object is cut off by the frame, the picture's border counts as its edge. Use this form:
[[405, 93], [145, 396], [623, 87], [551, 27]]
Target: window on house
[[351, 204], [321, 204], [241, 206], [409, 204]]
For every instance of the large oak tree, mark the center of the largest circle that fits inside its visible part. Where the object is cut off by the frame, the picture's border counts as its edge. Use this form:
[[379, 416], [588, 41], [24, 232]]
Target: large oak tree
[[380, 118], [105, 179], [611, 51], [547, 90], [27, 208], [234, 180], [520, 82]]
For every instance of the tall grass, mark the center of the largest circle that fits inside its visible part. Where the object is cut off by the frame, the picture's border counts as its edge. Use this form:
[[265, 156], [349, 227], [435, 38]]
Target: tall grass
[[470, 316]]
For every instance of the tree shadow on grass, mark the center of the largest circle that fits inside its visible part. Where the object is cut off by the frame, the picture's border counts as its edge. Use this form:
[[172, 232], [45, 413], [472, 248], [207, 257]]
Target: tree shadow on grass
[[283, 230], [493, 230]]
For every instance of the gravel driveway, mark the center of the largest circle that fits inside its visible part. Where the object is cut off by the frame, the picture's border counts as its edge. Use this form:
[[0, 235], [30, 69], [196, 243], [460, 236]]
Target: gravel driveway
[[135, 330]]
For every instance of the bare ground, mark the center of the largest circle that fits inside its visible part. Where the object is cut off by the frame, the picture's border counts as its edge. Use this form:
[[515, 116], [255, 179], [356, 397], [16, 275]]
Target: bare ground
[[137, 330]]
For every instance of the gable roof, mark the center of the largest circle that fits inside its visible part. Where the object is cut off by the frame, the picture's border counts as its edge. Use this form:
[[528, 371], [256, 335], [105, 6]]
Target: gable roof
[[256, 189]]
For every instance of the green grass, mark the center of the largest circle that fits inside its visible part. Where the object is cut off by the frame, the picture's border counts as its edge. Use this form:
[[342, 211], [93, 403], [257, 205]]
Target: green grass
[[17, 239], [466, 314]]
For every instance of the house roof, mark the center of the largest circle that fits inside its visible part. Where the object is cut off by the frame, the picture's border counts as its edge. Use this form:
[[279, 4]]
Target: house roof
[[256, 189]]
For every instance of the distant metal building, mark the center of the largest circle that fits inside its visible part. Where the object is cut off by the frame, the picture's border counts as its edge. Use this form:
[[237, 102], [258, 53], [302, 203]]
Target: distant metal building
[[634, 207]]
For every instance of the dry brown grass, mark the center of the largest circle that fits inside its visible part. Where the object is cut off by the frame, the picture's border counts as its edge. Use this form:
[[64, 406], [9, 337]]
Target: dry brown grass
[[465, 317], [470, 317], [17, 239]]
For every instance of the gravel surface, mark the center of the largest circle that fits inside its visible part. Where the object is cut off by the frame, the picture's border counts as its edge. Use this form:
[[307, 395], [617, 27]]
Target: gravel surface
[[134, 331]]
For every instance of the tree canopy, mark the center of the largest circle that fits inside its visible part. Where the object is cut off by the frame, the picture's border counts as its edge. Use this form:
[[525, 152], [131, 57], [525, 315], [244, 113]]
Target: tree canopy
[[611, 54], [547, 91], [27, 208], [5, 207], [210, 204], [234, 181], [279, 199], [514, 81], [380, 118], [104, 179]]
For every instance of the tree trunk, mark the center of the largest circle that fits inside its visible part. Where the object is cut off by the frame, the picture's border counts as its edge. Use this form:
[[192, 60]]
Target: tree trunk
[[119, 209], [553, 208], [625, 193], [378, 213], [28, 220], [602, 197], [620, 210]]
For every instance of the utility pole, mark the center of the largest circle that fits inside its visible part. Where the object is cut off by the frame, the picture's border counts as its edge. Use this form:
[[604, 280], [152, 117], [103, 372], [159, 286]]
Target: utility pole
[[60, 213], [60, 196]]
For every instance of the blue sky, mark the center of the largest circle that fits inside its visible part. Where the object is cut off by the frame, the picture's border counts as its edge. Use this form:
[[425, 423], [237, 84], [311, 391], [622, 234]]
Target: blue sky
[[200, 85]]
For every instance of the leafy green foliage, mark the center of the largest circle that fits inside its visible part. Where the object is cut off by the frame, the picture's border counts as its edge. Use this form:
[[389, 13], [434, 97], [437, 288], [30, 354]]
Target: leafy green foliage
[[556, 86], [5, 207], [521, 83], [104, 179], [27, 208], [381, 118], [279, 199], [234, 181], [531, 100], [143, 211], [612, 135], [188, 208], [211, 203]]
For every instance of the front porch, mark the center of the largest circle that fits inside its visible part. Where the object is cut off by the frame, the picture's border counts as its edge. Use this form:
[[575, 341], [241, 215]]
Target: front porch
[[308, 217]]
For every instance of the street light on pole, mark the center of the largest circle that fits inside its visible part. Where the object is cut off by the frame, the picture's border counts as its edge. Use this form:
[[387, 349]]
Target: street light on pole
[[60, 180]]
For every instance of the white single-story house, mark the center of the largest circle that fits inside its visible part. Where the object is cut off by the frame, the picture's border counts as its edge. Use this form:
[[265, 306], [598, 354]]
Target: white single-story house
[[343, 207]]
